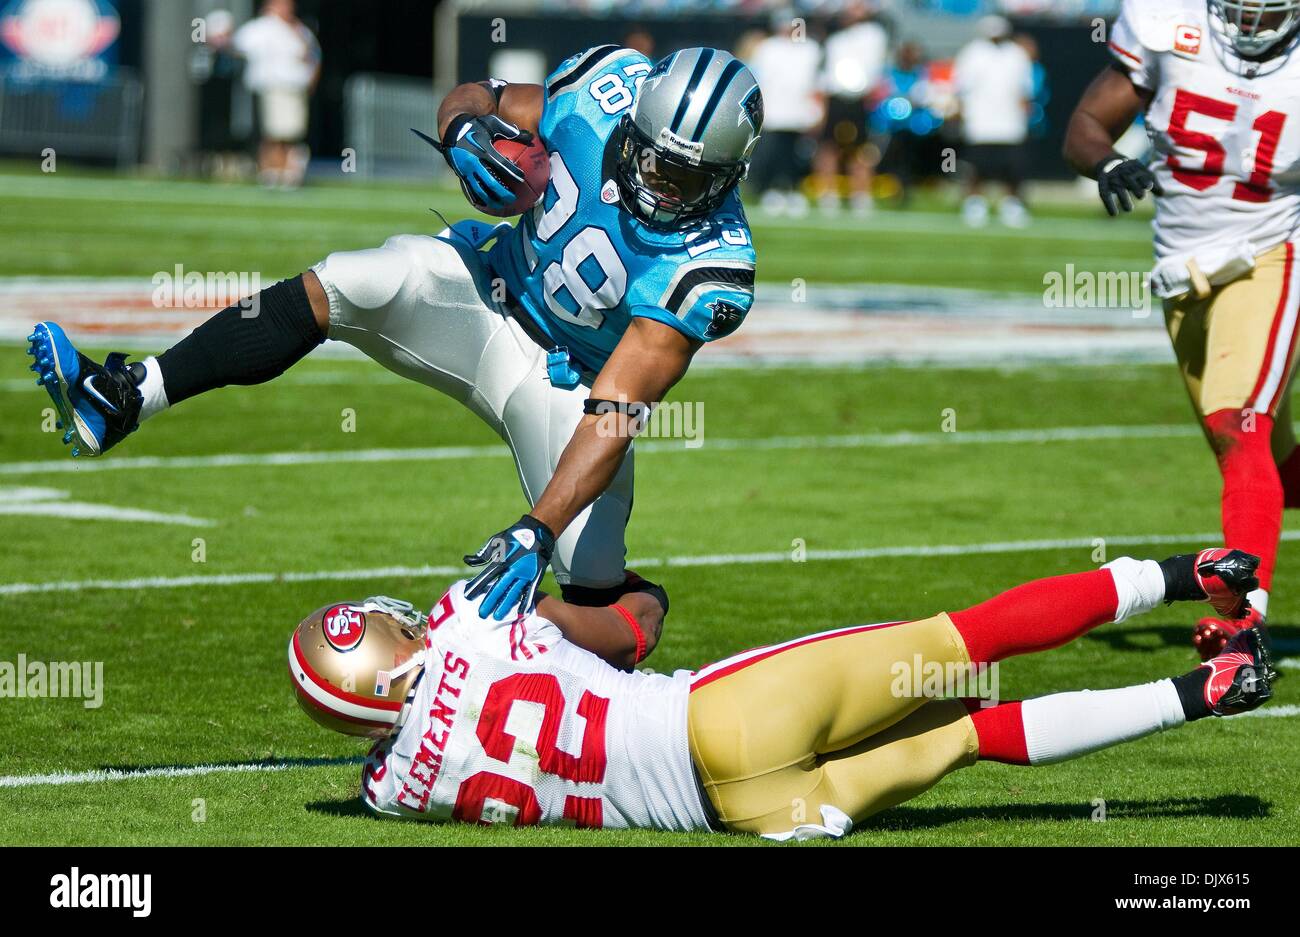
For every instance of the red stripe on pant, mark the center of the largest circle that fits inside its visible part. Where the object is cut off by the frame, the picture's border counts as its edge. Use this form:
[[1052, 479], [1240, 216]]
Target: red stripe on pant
[[1274, 335]]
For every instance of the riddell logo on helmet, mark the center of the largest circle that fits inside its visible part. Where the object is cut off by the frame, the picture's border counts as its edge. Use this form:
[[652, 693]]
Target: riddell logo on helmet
[[344, 627], [681, 146]]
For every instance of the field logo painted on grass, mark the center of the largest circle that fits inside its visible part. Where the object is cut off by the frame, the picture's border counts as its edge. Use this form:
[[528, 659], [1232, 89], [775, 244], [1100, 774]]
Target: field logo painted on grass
[[103, 890], [177, 289], [932, 679], [1106, 289], [57, 679]]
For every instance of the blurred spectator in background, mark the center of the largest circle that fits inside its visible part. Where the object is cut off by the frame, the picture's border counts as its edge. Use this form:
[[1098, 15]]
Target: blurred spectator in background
[[283, 67], [907, 119], [786, 65], [994, 78], [224, 105], [1039, 94], [856, 54]]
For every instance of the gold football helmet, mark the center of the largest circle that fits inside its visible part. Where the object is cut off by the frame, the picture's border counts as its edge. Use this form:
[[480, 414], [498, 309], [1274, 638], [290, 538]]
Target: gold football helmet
[[353, 664]]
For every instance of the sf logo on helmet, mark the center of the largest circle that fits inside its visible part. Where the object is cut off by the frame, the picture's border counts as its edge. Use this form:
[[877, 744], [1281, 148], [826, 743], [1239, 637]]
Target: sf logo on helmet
[[344, 626]]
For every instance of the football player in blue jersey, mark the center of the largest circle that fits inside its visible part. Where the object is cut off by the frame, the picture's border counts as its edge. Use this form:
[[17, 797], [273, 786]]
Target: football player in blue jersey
[[594, 302]]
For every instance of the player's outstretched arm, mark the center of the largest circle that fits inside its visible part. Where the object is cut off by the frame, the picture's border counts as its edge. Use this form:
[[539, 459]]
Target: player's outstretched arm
[[607, 632], [649, 359]]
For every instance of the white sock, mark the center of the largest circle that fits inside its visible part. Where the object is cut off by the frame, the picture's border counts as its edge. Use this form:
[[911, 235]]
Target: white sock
[[1139, 583], [151, 388], [1259, 600], [1067, 725]]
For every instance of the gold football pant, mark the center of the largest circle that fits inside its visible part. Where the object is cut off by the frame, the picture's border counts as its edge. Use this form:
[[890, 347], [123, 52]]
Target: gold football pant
[[777, 732], [1236, 346]]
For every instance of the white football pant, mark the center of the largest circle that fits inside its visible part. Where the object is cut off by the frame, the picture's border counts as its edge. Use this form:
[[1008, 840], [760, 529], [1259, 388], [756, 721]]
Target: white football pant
[[422, 307]]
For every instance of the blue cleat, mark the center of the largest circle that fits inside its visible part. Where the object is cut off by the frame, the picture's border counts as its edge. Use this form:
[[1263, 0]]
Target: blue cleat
[[100, 404]]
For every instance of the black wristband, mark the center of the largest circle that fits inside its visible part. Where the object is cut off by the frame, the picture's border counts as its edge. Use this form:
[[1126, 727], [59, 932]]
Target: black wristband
[[1099, 169], [545, 533]]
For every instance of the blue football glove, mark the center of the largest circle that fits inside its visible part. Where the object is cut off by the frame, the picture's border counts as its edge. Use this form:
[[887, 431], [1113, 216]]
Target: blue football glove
[[467, 147], [514, 562]]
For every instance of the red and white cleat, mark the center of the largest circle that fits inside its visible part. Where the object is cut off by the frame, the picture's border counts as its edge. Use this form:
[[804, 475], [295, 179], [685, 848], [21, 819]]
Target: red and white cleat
[[1241, 678], [1226, 576]]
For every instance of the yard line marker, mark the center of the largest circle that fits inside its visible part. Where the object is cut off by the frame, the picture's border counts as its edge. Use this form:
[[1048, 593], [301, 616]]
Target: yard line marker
[[171, 771], [53, 502], [723, 559], [763, 444]]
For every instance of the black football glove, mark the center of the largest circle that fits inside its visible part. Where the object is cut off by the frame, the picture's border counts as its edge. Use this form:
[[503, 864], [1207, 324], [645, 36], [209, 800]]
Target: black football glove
[[1118, 178], [514, 562], [467, 147]]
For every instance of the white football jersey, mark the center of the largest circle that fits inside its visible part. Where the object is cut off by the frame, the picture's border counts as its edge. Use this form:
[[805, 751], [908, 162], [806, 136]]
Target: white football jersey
[[511, 723], [1226, 137]]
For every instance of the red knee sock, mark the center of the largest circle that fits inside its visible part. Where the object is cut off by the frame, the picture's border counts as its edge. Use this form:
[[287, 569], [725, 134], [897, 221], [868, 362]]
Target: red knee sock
[[1289, 471], [1252, 489], [1037, 616], [1001, 732]]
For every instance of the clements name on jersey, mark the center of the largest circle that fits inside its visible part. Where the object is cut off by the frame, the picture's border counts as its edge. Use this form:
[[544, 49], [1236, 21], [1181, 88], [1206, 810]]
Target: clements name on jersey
[[510, 723], [1224, 130], [427, 763]]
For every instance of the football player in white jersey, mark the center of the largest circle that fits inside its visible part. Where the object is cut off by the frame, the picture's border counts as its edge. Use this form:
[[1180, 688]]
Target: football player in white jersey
[[1219, 85], [540, 718]]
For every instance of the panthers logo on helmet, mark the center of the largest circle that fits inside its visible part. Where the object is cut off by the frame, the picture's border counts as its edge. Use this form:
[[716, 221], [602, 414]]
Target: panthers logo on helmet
[[727, 317], [751, 109], [344, 627]]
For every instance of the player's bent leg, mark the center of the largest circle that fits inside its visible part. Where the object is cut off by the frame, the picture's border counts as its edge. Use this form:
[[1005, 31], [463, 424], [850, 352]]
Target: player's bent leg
[[1061, 726], [250, 342], [421, 307], [780, 707], [1251, 334], [877, 773]]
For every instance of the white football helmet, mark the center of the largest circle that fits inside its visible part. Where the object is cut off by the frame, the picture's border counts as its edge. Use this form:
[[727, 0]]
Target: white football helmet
[[1253, 27], [353, 664]]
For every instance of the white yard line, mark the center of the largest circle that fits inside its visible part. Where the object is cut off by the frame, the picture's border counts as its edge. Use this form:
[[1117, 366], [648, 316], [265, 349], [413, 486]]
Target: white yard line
[[175, 771], [715, 559], [1288, 710], [82, 511], [109, 775], [771, 443]]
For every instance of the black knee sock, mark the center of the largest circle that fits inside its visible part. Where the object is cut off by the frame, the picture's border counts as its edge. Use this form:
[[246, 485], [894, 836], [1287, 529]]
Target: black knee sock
[[248, 344]]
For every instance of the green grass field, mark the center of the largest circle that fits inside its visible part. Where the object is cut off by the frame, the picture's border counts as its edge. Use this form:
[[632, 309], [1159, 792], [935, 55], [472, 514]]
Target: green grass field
[[195, 675]]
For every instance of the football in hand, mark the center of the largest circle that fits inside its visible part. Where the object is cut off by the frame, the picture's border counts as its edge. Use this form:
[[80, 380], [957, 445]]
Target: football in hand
[[534, 162]]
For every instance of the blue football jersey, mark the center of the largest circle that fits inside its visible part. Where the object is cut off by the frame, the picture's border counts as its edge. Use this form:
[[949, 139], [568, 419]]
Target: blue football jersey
[[581, 266]]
